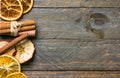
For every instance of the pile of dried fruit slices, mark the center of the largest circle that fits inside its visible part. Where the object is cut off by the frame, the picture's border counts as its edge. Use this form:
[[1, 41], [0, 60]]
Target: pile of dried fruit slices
[[10, 61], [10, 67], [23, 51]]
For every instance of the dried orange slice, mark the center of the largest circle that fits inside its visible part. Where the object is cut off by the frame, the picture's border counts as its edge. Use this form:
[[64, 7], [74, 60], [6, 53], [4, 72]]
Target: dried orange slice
[[10, 51], [24, 50], [8, 65], [27, 5], [17, 75], [11, 9]]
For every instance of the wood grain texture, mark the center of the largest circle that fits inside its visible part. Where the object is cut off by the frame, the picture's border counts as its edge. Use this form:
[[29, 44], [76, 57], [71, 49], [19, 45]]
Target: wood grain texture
[[77, 3], [62, 42], [73, 74], [75, 55], [64, 47], [71, 23]]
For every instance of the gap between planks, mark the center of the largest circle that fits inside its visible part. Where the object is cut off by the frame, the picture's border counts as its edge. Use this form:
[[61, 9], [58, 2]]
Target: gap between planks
[[73, 74]]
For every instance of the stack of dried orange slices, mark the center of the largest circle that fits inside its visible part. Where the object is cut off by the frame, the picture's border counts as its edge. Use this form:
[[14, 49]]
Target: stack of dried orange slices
[[10, 67], [13, 9]]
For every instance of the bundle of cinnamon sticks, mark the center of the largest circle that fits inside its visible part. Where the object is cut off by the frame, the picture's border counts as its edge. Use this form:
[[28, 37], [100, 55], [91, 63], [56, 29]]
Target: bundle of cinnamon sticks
[[25, 26], [27, 29]]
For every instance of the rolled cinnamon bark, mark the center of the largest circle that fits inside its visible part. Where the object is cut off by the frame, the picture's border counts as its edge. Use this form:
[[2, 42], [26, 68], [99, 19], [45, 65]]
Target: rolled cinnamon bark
[[23, 32], [6, 25], [31, 33], [16, 40], [8, 31]]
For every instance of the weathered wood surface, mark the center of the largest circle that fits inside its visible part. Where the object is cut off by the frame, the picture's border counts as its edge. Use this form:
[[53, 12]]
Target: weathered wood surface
[[77, 3], [60, 33], [75, 55], [64, 47], [73, 74], [71, 23]]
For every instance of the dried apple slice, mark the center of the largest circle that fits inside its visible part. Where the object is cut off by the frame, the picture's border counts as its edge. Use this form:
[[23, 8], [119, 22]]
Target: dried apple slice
[[24, 50], [9, 51]]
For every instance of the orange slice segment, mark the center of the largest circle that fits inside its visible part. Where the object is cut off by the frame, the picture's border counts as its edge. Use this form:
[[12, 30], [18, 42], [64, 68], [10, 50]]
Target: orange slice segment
[[11, 9], [27, 5]]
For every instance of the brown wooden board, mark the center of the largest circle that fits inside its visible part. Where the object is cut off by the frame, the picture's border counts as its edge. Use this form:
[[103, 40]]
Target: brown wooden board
[[75, 55], [73, 74], [63, 43], [71, 23], [67, 47], [77, 3]]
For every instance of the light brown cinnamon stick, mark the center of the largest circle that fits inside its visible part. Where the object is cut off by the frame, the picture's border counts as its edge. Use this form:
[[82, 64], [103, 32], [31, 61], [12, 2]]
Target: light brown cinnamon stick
[[6, 25], [7, 31], [23, 32], [16, 40], [31, 33]]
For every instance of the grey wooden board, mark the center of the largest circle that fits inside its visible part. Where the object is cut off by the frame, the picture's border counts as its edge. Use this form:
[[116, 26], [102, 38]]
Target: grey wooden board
[[73, 74], [61, 47], [77, 3], [64, 46], [70, 23], [75, 55]]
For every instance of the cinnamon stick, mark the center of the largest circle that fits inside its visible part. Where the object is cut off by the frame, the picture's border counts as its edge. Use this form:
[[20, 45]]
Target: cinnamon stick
[[6, 25], [31, 33], [6, 31], [16, 40], [23, 32]]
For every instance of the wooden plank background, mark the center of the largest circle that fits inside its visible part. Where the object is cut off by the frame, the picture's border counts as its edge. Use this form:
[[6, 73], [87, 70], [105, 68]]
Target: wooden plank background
[[63, 23], [73, 74], [64, 47], [75, 55], [77, 3]]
